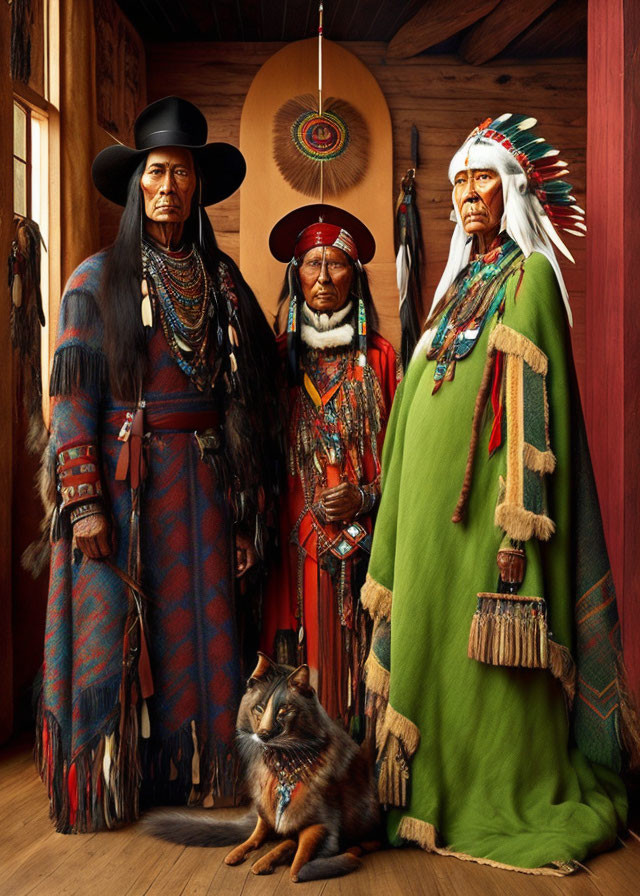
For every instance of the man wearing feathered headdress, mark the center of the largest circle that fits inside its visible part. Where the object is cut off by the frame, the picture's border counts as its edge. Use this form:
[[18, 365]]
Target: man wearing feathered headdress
[[489, 581]]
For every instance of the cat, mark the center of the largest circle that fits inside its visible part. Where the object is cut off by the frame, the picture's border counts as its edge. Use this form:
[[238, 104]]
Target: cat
[[309, 782]]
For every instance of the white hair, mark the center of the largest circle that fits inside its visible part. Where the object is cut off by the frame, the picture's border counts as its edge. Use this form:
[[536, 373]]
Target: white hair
[[523, 218]]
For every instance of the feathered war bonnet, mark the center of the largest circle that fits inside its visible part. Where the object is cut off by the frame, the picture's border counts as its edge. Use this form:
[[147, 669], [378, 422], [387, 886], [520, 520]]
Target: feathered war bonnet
[[537, 201], [320, 225]]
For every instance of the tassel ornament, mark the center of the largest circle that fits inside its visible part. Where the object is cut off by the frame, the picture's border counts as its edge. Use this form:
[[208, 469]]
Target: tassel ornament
[[510, 630]]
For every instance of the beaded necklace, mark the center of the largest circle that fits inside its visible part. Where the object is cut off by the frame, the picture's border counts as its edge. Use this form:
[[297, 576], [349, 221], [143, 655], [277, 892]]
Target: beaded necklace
[[477, 293], [289, 770], [181, 291], [336, 415]]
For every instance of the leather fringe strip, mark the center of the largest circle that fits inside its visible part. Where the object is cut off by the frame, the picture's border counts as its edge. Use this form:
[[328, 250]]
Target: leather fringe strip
[[562, 667], [504, 339], [399, 739], [377, 677], [521, 524], [478, 411], [538, 461], [425, 835], [376, 599], [35, 558], [77, 367], [92, 791]]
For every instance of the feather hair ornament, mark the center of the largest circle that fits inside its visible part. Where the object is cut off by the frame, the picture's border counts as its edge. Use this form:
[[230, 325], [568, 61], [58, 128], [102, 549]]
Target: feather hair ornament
[[409, 258], [27, 318]]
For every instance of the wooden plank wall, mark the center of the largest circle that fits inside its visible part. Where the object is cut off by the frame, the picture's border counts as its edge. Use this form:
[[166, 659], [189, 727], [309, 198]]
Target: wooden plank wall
[[6, 384], [443, 96]]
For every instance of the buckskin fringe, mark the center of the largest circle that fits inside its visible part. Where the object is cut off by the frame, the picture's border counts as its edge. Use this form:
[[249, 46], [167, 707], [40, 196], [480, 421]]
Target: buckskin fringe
[[538, 461], [35, 557], [404, 729], [504, 339], [426, 836], [376, 677], [77, 367], [522, 525], [562, 667], [94, 792], [398, 740], [376, 599], [393, 773]]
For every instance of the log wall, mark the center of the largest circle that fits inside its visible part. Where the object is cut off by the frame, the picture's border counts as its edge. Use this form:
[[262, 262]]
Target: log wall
[[443, 96]]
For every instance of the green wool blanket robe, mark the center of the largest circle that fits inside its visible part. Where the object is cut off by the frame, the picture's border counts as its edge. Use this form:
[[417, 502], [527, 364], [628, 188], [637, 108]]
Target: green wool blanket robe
[[510, 765]]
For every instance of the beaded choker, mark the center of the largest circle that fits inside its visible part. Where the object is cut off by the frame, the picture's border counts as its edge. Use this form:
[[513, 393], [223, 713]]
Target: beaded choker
[[180, 289]]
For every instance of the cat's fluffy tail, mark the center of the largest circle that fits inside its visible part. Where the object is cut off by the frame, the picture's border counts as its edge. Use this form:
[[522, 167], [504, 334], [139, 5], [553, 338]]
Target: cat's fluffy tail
[[332, 866], [193, 828]]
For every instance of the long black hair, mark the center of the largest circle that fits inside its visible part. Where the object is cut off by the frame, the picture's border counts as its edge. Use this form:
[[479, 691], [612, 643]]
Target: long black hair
[[292, 291], [125, 340]]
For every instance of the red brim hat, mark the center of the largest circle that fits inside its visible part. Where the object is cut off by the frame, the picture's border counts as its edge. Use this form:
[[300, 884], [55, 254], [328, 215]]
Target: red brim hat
[[286, 234]]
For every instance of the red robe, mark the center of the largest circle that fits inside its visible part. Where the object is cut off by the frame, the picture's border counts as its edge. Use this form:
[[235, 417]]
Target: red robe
[[335, 636]]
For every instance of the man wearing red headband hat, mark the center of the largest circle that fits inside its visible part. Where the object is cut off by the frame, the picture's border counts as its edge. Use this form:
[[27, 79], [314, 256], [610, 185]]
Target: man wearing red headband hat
[[342, 376]]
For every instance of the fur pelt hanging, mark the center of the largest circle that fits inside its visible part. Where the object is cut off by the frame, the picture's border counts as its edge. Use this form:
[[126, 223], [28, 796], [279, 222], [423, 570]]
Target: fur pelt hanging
[[21, 18], [27, 316], [309, 146]]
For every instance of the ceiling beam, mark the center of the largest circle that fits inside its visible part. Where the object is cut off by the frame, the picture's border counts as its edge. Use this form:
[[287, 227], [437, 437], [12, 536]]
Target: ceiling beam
[[490, 36], [560, 32], [435, 22]]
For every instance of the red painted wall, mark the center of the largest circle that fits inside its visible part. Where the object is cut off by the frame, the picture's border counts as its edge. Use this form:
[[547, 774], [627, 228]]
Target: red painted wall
[[612, 388]]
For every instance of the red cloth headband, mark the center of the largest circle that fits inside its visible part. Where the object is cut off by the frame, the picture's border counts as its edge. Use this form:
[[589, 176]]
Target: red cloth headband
[[325, 235]]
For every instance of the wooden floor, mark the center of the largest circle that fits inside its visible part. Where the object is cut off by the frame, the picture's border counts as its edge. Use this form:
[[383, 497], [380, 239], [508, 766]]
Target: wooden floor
[[35, 860]]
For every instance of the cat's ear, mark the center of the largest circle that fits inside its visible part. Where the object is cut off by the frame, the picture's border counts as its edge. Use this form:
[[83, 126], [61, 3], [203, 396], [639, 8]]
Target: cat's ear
[[299, 679], [261, 670]]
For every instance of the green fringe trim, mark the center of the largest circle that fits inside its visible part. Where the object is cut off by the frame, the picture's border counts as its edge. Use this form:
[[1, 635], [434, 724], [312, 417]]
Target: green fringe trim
[[425, 835]]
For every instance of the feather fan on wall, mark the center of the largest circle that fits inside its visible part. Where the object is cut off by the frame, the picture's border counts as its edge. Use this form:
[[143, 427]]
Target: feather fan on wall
[[320, 153]]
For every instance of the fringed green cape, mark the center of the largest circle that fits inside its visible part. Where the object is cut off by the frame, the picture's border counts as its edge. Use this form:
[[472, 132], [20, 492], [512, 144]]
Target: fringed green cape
[[511, 758]]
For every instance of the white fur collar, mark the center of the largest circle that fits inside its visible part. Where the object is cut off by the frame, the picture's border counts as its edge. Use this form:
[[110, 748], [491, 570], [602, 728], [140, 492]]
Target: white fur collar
[[326, 330]]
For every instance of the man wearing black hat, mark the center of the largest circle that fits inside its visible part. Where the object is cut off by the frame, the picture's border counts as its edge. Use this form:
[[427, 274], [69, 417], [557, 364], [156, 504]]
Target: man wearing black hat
[[161, 455]]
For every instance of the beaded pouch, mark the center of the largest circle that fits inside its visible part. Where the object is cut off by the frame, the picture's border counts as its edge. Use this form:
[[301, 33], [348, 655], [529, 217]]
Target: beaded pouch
[[351, 538], [510, 630]]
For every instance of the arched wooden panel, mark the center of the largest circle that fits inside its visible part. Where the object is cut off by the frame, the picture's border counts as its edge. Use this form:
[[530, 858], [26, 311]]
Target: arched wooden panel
[[265, 195]]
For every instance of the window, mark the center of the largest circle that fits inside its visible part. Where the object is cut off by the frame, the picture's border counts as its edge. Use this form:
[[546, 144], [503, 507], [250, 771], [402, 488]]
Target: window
[[21, 141], [31, 174]]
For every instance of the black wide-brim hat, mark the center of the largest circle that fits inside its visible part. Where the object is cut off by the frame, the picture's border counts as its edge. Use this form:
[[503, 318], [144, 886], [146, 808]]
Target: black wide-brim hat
[[284, 235], [171, 121]]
